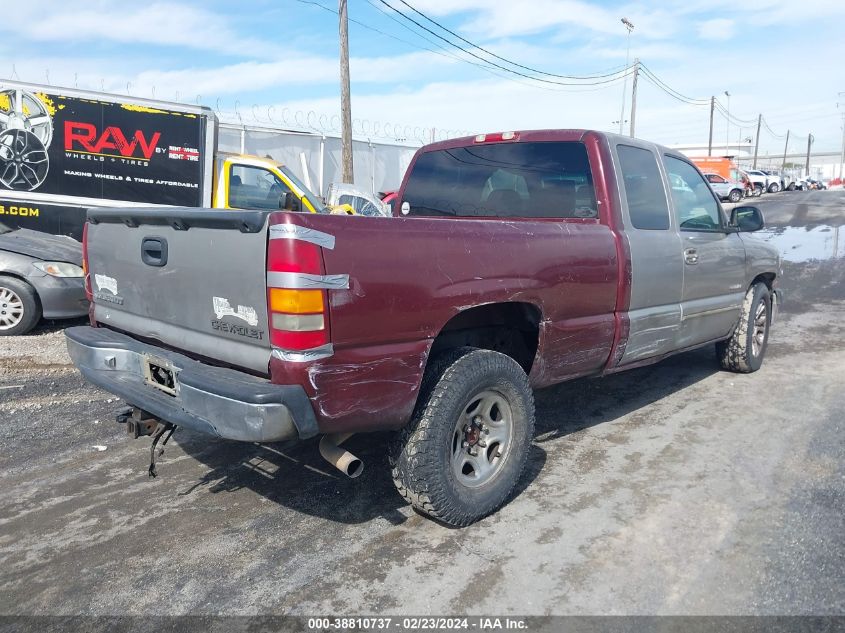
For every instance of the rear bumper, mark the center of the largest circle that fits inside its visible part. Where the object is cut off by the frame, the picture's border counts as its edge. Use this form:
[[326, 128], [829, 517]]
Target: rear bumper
[[223, 402]]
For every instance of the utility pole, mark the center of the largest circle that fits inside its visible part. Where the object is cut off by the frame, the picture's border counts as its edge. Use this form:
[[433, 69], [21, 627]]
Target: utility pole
[[630, 28], [347, 175], [710, 142], [785, 146], [757, 140], [809, 145], [728, 125], [842, 158], [634, 95]]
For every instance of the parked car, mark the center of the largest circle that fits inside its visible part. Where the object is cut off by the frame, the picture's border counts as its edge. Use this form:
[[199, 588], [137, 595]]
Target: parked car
[[40, 276], [776, 180], [518, 260], [730, 190], [759, 180], [807, 184], [359, 202]]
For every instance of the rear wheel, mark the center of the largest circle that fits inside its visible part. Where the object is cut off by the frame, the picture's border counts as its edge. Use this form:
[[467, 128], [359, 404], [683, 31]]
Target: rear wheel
[[735, 195], [19, 307], [743, 352], [467, 444], [774, 187]]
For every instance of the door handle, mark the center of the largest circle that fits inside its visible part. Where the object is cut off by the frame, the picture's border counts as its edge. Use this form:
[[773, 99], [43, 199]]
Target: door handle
[[691, 256], [154, 251]]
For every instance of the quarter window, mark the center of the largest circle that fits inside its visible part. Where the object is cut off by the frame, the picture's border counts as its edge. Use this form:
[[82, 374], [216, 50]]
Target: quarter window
[[695, 207], [644, 189]]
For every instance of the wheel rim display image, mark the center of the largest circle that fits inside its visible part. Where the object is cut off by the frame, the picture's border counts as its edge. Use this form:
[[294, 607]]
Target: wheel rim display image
[[21, 110], [23, 160]]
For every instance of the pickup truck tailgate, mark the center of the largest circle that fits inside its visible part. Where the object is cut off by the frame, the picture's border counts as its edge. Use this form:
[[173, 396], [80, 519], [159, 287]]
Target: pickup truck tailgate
[[193, 279]]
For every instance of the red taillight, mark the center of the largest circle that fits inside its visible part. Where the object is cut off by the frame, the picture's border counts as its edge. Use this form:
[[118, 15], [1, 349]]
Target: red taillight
[[298, 317], [88, 291], [293, 256]]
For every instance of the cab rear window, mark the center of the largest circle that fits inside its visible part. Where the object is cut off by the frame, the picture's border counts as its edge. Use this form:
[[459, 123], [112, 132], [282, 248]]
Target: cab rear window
[[535, 180]]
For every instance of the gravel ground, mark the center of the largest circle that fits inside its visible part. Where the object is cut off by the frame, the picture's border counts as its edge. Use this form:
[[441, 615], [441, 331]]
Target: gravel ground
[[673, 489], [53, 406]]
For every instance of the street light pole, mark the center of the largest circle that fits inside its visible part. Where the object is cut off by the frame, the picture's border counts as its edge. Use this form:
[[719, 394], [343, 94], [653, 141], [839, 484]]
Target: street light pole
[[630, 28]]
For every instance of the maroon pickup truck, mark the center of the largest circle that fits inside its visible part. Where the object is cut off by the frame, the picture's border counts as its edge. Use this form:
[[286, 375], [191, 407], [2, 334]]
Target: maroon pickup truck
[[515, 261]]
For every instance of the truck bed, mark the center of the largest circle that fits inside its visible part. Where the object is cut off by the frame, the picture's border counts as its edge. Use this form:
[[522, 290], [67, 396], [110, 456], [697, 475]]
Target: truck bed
[[409, 278]]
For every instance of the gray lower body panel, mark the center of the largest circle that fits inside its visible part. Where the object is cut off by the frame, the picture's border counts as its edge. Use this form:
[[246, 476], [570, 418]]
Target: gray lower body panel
[[215, 400], [61, 298]]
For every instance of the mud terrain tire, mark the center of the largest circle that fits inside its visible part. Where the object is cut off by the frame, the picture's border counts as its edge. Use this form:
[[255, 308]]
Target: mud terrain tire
[[441, 462], [743, 352]]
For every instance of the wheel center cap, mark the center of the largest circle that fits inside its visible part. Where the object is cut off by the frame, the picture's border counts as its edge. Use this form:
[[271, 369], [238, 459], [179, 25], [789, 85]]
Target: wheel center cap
[[473, 434]]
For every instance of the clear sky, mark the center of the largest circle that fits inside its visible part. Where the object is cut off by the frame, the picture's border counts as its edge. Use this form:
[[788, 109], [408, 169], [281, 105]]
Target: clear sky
[[268, 59]]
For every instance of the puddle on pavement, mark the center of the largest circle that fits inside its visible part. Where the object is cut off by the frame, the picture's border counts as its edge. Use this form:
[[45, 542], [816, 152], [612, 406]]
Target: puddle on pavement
[[803, 244], [813, 264]]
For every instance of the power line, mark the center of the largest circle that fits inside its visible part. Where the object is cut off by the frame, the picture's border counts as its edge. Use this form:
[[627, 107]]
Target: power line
[[671, 91], [625, 72], [506, 60], [734, 119], [444, 52], [771, 131], [655, 83], [602, 79]]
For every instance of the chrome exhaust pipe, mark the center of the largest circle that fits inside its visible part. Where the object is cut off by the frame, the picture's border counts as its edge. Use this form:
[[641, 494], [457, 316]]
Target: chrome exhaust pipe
[[339, 457]]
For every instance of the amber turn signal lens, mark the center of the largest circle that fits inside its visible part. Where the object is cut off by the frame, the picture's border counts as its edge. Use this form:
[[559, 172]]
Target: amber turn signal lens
[[296, 301]]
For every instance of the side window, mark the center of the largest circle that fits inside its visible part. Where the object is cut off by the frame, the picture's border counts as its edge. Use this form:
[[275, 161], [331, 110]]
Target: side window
[[644, 189], [527, 180], [254, 188], [695, 207], [715, 178]]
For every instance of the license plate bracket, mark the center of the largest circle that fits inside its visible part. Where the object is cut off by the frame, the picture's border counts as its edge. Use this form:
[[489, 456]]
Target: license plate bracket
[[161, 374]]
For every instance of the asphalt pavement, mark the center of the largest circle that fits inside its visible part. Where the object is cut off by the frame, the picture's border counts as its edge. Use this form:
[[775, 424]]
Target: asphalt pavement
[[673, 489]]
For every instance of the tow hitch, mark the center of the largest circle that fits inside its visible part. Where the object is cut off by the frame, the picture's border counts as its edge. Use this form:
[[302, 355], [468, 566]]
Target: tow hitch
[[139, 423]]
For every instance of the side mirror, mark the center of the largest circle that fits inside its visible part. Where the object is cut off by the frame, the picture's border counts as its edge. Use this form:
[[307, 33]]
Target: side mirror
[[747, 219], [290, 202]]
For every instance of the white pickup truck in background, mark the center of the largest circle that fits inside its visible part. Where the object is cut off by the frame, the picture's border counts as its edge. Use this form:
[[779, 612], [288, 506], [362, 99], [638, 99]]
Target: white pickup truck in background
[[764, 181]]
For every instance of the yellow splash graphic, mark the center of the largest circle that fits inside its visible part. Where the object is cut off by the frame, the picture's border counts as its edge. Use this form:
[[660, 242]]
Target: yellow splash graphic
[[48, 103], [139, 108], [5, 103]]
